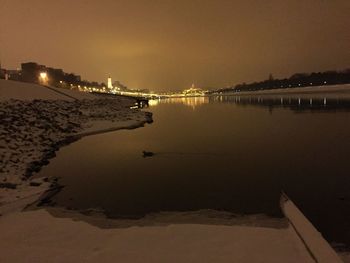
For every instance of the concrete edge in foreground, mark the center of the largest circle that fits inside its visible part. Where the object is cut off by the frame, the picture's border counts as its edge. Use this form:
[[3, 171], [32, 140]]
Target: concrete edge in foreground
[[316, 245]]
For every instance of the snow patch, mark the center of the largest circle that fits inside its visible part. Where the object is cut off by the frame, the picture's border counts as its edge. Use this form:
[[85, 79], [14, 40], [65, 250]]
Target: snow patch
[[32, 129]]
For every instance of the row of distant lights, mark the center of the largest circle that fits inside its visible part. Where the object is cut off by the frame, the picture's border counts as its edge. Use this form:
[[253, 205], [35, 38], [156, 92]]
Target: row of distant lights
[[43, 77], [325, 82], [85, 88]]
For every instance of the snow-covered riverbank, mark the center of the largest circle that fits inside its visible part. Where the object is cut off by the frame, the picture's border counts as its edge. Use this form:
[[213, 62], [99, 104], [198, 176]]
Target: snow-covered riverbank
[[36, 121], [330, 91], [50, 239]]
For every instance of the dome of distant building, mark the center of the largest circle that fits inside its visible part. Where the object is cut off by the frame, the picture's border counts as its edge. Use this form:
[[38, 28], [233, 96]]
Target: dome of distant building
[[193, 91]]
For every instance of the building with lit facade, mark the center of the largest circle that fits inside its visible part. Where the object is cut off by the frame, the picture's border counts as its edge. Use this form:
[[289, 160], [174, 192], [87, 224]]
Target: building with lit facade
[[193, 91], [109, 83]]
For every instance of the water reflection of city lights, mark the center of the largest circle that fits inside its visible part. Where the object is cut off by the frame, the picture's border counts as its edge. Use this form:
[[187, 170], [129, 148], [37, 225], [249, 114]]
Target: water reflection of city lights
[[153, 102], [193, 102]]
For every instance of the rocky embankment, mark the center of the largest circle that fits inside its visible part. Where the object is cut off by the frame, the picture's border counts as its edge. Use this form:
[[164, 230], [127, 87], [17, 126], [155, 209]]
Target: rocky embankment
[[32, 131]]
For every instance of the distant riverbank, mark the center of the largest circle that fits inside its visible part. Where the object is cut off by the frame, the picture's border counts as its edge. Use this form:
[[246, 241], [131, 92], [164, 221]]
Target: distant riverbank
[[332, 91]]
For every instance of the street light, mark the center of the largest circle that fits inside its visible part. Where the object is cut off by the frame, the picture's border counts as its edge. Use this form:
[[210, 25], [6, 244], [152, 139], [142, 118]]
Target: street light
[[43, 78]]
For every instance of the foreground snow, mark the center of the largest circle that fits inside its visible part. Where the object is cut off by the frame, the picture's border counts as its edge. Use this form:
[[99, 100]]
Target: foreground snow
[[199, 236], [36, 236], [36, 121]]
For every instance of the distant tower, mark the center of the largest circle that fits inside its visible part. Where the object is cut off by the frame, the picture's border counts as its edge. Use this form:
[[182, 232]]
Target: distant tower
[[109, 85]]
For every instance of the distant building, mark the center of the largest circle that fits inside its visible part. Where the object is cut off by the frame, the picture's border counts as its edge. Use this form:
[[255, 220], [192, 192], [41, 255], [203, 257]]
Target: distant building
[[109, 83], [14, 74], [10, 74], [193, 91], [35, 73], [56, 76], [119, 86], [72, 79], [2, 72], [31, 72]]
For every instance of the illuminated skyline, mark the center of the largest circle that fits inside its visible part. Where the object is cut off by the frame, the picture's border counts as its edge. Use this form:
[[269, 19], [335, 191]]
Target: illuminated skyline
[[163, 45]]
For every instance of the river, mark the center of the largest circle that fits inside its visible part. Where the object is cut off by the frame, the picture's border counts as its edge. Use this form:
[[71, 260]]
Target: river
[[221, 153]]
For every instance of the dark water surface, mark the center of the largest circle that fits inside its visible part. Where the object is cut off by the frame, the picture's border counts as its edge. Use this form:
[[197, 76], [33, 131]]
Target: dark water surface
[[220, 153]]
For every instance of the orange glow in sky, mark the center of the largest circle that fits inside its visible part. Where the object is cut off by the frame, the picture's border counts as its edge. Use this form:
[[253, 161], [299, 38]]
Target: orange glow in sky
[[168, 45]]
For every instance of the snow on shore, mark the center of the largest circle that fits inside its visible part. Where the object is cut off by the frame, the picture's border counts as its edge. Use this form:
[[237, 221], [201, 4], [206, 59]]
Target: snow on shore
[[36, 236], [36, 121]]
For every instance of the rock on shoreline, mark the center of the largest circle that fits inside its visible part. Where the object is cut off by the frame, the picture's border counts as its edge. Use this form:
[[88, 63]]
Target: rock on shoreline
[[32, 131]]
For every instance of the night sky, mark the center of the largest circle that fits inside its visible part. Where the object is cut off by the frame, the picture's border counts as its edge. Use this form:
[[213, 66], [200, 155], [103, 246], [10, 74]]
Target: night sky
[[168, 45]]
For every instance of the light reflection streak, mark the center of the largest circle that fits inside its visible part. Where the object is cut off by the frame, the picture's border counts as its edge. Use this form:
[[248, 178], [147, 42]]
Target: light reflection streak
[[192, 102]]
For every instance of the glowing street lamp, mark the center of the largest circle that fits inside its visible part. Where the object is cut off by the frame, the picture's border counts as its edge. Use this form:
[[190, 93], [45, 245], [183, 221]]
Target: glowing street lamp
[[43, 78]]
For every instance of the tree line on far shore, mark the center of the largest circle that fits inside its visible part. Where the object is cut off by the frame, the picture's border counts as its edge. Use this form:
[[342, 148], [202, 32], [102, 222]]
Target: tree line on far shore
[[295, 81]]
